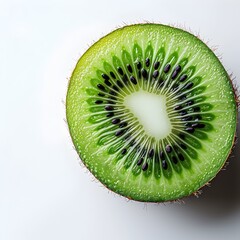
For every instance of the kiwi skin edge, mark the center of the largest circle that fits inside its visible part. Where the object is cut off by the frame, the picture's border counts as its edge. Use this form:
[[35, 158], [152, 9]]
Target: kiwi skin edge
[[237, 101]]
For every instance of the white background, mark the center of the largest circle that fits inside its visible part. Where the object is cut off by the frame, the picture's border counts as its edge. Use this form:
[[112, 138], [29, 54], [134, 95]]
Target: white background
[[44, 192]]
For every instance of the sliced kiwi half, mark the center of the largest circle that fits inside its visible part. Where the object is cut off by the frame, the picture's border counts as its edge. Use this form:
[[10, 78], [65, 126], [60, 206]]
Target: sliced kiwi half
[[151, 112]]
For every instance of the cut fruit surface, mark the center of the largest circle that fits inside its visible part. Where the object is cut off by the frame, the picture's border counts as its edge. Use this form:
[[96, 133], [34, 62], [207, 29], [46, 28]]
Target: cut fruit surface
[[151, 112]]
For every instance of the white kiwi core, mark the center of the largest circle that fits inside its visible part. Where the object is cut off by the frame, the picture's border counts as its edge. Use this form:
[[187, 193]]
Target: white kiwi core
[[151, 111]]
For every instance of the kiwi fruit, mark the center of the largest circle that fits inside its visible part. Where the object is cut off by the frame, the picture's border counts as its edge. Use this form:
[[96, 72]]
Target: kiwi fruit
[[151, 112]]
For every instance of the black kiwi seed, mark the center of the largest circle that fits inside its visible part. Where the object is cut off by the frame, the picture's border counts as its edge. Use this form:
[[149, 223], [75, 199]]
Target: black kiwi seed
[[168, 149], [145, 166], [189, 118], [101, 94], [156, 65], [178, 107], [125, 79], [144, 73], [178, 68], [115, 121], [109, 108], [183, 97], [181, 157], [111, 114], [151, 153], [107, 83], [124, 151], [113, 93], [162, 155], [155, 73], [167, 68], [101, 87], [198, 125], [188, 85], [175, 87], [123, 124], [174, 75], [182, 113], [147, 62], [105, 76], [120, 71], [176, 72], [140, 161], [201, 125], [190, 129], [139, 65], [174, 159], [129, 67], [164, 164], [119, 133], [161, 84], [112, 75], [133, 80], [183, 78], [98, 101], [195, 125], [119, 83], [111, 102], [196, 109], [191, 102], [115, 88]]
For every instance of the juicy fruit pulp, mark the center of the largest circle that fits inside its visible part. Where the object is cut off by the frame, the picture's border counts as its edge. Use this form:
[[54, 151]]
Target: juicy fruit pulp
[[113, 132]]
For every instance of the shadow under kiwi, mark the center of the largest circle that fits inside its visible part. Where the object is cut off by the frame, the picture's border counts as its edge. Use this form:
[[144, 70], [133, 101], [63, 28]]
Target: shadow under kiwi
[[222, 198]]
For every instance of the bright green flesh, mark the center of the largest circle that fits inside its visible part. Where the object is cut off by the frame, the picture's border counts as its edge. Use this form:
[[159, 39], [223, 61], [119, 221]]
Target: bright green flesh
[[219, 106]]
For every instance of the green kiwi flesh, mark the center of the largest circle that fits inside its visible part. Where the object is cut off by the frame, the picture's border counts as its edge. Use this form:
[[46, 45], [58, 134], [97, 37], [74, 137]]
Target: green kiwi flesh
[[111, 140]]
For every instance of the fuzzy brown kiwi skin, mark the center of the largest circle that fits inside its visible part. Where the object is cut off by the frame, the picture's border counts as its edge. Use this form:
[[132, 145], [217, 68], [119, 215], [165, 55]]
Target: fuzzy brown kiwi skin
[[224, 165]]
